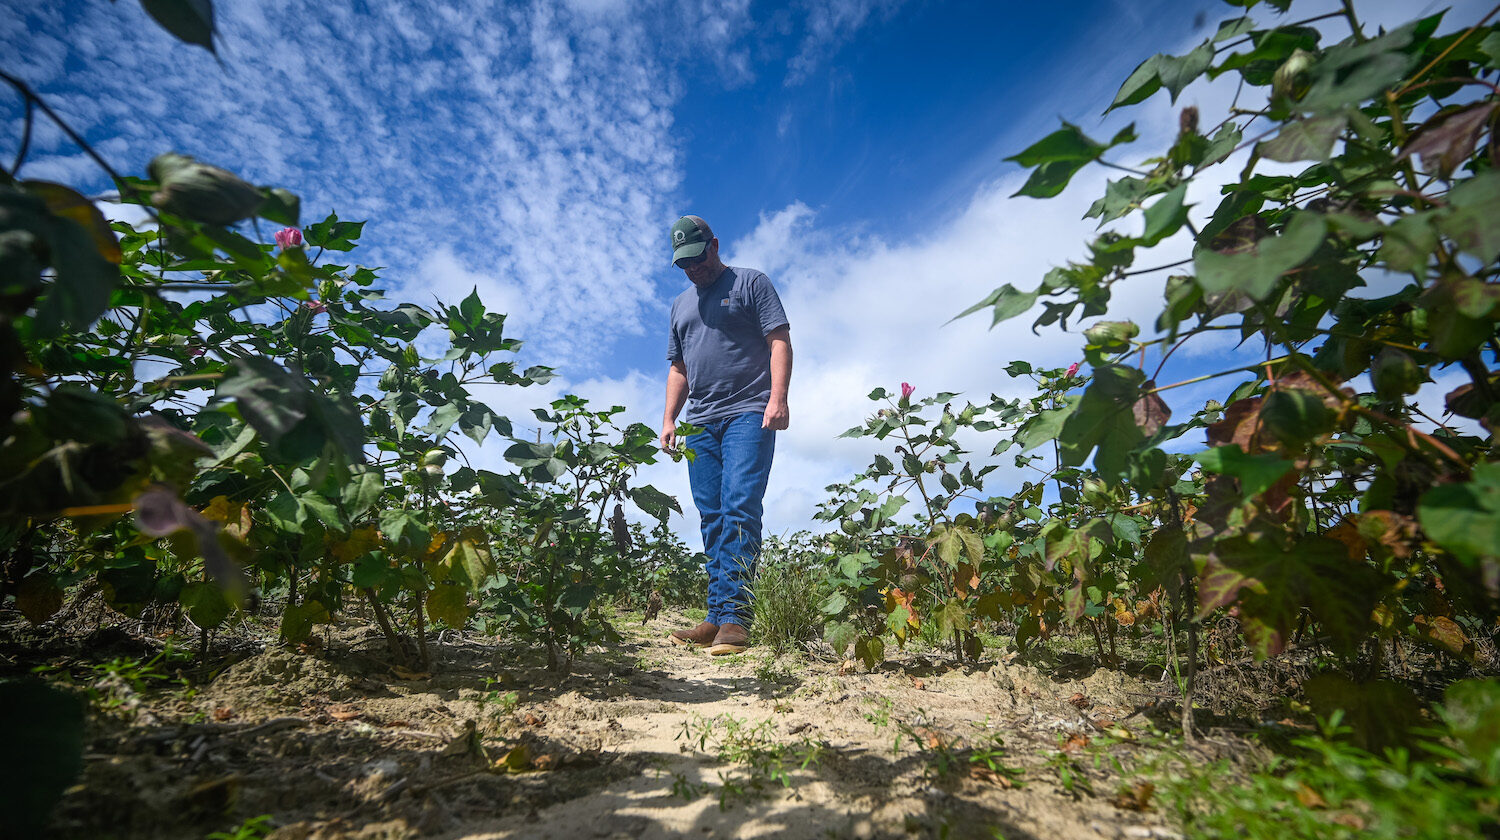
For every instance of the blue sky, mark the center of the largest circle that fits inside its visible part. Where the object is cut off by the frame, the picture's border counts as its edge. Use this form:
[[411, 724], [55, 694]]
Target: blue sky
[[538, 151]]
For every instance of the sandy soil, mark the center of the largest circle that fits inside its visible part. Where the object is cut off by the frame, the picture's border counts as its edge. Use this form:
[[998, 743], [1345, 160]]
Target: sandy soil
[[645, 740]]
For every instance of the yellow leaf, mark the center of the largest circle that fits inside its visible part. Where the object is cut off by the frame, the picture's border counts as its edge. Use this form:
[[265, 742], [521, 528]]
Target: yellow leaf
[[359, 542], [218, 509], [449, 604], [64, 202], [517, 760]]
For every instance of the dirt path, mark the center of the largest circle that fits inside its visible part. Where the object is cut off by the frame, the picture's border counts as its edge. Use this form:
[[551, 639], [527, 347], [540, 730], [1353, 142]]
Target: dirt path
[[648, 740]]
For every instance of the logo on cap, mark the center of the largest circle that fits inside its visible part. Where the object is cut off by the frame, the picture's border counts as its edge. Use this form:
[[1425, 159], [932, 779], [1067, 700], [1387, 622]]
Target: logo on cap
[[679, 236]]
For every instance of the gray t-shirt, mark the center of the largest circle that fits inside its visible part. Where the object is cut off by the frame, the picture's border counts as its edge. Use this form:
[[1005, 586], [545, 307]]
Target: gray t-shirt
[[719, 333]]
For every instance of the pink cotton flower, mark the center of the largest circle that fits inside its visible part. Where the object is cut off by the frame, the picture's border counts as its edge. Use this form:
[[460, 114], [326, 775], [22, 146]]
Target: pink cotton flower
[[907, 390], [288, 238], [317, 307], [1072, 370], [195, 352]]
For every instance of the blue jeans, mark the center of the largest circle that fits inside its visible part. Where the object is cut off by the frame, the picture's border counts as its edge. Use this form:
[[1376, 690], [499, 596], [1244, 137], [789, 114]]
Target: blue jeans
[[728, 476]]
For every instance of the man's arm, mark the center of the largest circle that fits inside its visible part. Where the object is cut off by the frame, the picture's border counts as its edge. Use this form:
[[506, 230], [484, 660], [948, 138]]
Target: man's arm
[[780, 341], [677, 392]]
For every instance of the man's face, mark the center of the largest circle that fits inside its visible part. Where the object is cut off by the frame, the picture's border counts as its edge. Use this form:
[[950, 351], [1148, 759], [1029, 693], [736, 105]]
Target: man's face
[[704, 269]]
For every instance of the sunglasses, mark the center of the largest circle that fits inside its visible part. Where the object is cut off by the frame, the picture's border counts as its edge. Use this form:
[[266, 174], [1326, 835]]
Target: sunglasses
[[689, 262]]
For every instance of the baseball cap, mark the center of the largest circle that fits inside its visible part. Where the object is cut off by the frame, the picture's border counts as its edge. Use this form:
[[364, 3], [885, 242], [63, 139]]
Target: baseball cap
[[690, 236]]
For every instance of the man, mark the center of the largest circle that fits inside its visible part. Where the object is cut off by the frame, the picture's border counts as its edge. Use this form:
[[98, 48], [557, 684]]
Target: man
[[731, 360]]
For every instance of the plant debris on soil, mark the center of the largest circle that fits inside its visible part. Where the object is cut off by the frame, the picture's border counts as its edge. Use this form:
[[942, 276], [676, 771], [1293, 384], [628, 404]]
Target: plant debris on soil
[[644, 739]]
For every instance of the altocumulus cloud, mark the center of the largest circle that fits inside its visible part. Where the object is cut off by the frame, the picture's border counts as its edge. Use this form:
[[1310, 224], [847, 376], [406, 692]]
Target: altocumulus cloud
[[525, 148]]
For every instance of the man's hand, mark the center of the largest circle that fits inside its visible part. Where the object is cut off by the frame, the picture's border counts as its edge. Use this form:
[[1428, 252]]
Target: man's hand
[[668, 437], [777, 418]]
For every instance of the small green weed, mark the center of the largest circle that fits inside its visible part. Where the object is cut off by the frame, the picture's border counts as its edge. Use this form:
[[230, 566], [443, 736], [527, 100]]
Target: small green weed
[[503, 702], [254, 828], [945, 754], [1336, 790], [762, 762], [880, 716], [117, 685]]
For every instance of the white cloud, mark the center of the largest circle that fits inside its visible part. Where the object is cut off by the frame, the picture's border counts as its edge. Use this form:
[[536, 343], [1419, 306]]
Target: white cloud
[[828, 25]]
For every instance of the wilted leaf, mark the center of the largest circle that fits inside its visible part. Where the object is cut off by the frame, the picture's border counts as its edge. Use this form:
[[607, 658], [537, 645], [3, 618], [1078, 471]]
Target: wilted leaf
[[1137, 797], [1272, 583], [39, 597], [1443, 632], [1449, 137], [1150, 411]]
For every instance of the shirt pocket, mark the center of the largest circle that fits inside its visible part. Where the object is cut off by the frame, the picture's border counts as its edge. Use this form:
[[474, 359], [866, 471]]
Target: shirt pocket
[[741, 310]]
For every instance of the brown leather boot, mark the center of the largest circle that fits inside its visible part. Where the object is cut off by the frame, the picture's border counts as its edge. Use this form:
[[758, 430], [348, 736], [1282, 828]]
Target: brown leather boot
[[701, 636], [731, 638]]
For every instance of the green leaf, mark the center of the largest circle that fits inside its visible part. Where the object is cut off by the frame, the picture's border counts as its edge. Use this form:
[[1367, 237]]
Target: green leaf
[[1141, 83], [80, 291], [1224, 142], [298, 620], [1257, 274], [1407, 244], [269, 398], [1104, 419], [1255, 472], [1354, 71], [869, 651], [1464, 518], [1490, 46], [839, 635], [1233, 28], [443, 419], [1065, 144], [335, 235], [281, 206], [834, 604], [1296, 415], [371, 570], [1077, 545], [1057, 157], [1166, 216], [951, 618], [406, 530], [362, 490], [1008, 302], [1177, 72], [1120, 198], [1471, 709], [1167, 560], [1380, 714], [205, 604], [1309, 139], [1045, 425], [190, 21], [654, 502], [1471, 224]]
